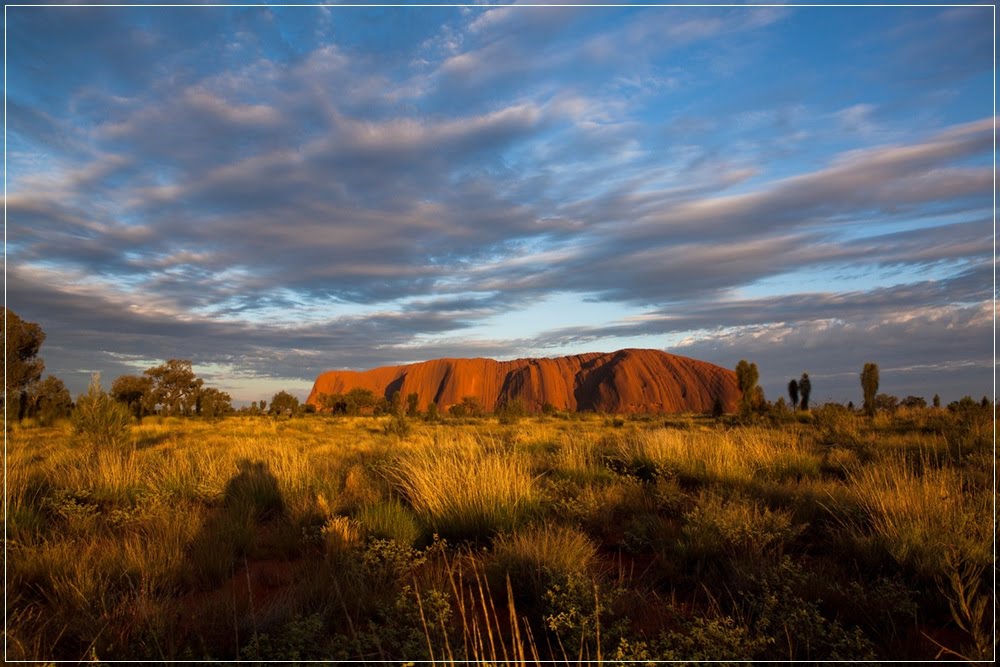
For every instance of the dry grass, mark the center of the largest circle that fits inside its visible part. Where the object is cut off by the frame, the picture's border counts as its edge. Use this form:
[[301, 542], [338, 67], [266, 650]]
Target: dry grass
[[115, 554], [921, 512], [738, 456], [466, 487]]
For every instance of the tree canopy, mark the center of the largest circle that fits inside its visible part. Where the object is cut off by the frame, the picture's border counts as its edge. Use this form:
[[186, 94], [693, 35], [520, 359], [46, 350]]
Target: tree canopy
[[24, 367]]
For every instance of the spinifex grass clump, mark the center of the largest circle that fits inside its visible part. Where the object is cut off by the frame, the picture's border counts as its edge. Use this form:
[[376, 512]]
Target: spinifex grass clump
[[920, 513], [463, 490], [733, 457], [390, 520], [536, 557], [101, 421]]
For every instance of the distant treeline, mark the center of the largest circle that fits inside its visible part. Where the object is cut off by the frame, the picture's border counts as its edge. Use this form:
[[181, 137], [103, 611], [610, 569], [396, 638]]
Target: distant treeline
[[173, 389]]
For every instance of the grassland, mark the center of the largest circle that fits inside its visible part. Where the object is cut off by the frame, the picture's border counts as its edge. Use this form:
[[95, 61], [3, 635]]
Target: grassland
[[817, 536]]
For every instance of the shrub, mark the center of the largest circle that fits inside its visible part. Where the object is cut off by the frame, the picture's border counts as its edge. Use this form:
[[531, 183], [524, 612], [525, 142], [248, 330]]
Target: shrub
[[284, 403], [746, 377], [869, 386], [792, 625], [469, 407], [390, 520], [511, 411], [101, 421], [398, 426], [738, 529]]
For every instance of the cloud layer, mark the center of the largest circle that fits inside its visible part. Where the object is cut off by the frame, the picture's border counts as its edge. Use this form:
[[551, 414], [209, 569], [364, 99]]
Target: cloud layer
[[272, 192]]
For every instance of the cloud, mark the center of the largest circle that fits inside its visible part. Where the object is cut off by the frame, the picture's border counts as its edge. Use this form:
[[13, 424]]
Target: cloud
[[276, 196], [944, 350]]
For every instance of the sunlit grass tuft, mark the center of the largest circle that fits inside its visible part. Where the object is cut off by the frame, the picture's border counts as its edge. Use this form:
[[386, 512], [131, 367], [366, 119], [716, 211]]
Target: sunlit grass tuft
[[465, 488]]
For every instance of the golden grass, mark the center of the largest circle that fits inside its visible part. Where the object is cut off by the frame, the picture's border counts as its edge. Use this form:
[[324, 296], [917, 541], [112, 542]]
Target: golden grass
[[466, 487], [922, 511], [737, 456], [97, 542]]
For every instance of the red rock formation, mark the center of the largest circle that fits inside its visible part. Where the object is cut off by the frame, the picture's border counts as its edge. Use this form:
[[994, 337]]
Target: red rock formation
[[626, 381]]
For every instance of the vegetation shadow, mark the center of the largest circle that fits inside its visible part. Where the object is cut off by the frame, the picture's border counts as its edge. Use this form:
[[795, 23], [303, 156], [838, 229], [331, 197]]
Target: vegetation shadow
[[251, 500], [152, 440]]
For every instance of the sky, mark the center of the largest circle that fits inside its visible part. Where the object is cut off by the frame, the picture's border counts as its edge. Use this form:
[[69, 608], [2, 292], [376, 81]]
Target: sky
[[272, 192]]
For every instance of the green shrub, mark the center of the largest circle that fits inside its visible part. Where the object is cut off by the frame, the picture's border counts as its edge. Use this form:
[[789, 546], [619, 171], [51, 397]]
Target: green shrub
[[794, 627], [298, 639], [101, 421], [702, 638], [737, 528], [390, 520]]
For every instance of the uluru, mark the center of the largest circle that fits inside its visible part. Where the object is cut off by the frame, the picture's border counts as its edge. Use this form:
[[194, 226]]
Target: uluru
[[626, 381]]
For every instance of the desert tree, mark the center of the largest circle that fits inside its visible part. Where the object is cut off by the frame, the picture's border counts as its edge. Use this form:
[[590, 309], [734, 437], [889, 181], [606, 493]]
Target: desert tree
[[175, 386], [50, 400], [395, 403], [913, 402], [746, 379], [886, 403], [793, 393], [284, 403], [869, 386], [22, 340], [718, 409], [214, 403], [805, 388], [135, 391], [360, 401], [469, 407], [937, 401], [412, 405]]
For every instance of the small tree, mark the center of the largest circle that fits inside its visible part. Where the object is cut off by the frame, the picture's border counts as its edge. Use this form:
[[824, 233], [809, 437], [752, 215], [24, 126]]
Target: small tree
[[135, 392], [175, 386], [360, 401], [937, 401], [284, 403], [718, 409], [214, 403], [886, 403], [746, 380], [101, 421], [805, 388], [412, 405], [511, 410], [395, 404], [793, 393], [869, 386], [23, 367], [469, 407], [432, 412], [50, 400]]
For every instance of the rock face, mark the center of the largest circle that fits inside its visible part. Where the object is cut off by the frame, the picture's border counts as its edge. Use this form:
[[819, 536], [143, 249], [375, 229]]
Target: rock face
[[626, 381]]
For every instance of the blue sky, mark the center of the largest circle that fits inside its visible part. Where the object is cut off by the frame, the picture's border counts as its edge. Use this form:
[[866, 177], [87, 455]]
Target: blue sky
[[272, 192]]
